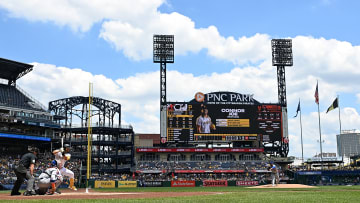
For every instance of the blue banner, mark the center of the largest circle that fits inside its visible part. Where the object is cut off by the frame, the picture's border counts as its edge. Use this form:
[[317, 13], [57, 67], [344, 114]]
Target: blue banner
[[25, 137]]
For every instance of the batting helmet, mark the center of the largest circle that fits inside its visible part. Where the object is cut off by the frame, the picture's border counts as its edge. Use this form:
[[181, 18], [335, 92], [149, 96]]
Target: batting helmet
[[66, 145]]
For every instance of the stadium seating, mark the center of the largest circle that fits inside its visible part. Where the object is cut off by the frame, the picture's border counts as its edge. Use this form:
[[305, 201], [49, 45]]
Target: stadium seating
[[12, 97]]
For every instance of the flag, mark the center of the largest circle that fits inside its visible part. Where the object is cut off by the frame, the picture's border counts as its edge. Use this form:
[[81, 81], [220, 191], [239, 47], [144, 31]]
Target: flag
[[333, 106], [317, 94], [298, 109]]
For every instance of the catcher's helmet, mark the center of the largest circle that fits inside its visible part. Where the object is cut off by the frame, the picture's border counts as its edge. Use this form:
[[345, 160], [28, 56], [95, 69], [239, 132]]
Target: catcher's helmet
[[53, 163]]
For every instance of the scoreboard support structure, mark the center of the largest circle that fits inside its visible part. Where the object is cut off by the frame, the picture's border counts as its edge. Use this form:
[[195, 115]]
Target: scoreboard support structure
[[163, 52], [282, 56]]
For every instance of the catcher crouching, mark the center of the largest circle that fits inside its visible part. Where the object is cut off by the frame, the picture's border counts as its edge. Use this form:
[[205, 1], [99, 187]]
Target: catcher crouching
[[50, 178], [61, 156]]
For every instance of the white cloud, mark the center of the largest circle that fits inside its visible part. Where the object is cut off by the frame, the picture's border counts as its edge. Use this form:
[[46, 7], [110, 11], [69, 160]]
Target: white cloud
[[135, 40], [80, 15], [130, 25], [334, 63], [139, 94]]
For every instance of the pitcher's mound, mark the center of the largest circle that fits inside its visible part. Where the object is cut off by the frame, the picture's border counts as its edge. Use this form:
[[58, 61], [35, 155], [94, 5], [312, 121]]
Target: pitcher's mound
[[284, 186]]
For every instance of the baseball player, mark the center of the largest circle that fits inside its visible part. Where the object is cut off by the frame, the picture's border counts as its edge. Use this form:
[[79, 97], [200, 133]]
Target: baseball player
[[274, 174], [61, 156], [51, 178], [203, 122]]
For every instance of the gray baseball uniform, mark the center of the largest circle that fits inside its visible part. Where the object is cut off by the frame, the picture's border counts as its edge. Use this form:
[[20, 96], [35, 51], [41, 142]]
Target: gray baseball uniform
[[46, 178]]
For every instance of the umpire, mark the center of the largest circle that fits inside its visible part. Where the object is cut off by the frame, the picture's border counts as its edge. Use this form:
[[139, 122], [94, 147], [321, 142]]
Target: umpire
[[25, 170]]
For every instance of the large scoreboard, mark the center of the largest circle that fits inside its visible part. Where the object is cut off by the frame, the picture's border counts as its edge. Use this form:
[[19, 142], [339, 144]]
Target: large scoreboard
[[223, 116]]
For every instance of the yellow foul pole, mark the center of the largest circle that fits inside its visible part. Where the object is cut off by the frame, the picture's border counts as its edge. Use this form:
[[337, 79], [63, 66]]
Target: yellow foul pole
[[89, 136]]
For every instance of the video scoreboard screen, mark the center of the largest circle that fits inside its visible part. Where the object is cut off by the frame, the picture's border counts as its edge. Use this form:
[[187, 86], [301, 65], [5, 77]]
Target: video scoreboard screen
[[227, 120], [179, 122], [269, 121]]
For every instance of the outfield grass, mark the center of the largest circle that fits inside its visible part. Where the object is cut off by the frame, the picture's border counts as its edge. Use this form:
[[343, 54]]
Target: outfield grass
[[241, 194]]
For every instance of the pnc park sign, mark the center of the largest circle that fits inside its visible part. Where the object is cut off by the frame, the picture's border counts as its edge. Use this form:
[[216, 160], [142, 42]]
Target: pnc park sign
[[225, 98]]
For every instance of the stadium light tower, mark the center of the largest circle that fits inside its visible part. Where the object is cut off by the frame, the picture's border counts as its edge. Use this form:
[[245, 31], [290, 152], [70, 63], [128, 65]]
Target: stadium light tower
[[163, 52], [282, 56]]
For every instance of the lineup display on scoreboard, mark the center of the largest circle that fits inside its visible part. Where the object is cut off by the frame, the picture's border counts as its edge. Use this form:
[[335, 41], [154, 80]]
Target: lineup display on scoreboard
[[224, 116], [269, 119], [179, 122]]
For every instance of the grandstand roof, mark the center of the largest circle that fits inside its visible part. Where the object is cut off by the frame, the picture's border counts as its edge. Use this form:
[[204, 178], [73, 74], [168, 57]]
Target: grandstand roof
[[13, 70]]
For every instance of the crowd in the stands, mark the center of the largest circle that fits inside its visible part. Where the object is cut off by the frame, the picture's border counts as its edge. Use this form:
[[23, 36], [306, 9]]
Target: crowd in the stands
[[8, 162], [208, 165], [261, 177]]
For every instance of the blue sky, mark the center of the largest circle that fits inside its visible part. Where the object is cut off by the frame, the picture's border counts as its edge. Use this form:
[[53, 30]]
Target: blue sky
[[225, 43], [27, 41]]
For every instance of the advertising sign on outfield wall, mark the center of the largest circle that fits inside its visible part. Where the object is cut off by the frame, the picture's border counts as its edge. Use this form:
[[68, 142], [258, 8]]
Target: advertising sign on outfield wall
[[184, 183], [152, 184], [215, 183], [246, 183], [127, 183], [104, 184]]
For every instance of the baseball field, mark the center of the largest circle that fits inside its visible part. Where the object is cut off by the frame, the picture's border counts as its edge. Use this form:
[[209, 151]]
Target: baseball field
[[200, 194]]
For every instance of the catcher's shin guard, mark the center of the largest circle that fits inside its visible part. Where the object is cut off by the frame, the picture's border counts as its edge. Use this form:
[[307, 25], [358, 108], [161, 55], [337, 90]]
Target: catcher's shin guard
[[71, 186]]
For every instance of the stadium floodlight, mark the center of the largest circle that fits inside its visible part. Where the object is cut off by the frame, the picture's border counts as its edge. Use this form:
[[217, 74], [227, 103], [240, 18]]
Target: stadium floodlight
[[163, 49], [163, 52], [282, 52], [282, 56]]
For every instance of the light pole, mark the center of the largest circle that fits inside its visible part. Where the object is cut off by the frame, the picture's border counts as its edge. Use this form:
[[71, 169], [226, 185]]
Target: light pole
[[163, 52], [282, 56]]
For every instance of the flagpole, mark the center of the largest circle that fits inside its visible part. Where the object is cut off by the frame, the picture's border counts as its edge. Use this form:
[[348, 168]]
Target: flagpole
[[339, 113], [302, 148], [321, 155], [340, 126], [318, 103]]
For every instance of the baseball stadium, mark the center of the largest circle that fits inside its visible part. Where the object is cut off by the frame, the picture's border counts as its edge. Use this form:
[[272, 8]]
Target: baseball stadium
[[218, 147]]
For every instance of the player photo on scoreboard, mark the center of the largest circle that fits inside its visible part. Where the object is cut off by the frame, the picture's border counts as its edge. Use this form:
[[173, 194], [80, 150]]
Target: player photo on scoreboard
[[203, 122], [223, 119]]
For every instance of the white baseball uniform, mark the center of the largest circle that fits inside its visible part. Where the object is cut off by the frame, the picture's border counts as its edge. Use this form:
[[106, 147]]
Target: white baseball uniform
[[204, 123], [59, 157]]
